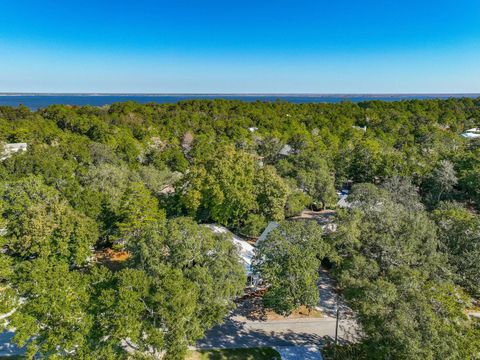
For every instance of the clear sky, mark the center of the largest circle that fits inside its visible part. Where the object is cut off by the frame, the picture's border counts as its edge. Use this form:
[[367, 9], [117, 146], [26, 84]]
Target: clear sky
[[242, 46]]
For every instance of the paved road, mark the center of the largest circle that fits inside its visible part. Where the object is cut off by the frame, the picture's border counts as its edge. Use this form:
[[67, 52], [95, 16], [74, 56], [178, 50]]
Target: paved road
[[237, 334]]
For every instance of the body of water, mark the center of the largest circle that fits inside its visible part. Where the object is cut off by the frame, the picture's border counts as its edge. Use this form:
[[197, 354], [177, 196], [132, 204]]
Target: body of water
[[36, 101]]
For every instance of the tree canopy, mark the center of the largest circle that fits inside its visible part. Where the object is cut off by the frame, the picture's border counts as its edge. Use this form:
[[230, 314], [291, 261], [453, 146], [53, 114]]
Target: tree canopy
[[288, 261]]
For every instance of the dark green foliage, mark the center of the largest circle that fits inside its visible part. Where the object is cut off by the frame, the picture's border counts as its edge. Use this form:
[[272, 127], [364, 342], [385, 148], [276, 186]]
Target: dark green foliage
[[398, 282], [288, 260], [441, 182], [312, 175], [41, 225], [254, 225], [231, 186], [297, 201], [459, 234]]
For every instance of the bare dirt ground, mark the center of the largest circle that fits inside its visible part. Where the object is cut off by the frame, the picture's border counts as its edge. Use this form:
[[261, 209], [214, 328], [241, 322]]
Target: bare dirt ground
[[252, 309]]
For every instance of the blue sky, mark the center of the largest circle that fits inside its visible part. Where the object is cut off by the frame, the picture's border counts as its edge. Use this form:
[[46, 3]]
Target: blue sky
[[349, 46]]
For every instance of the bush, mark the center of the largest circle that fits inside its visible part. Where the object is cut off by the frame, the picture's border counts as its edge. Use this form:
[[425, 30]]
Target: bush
[[296, 203], [254, 225]]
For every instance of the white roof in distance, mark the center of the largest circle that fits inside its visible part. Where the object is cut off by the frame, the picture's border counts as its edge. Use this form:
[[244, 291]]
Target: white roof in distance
[[342, 202], [471, 135], [286, 150], [9, 149], [15, 146], [473, 130]]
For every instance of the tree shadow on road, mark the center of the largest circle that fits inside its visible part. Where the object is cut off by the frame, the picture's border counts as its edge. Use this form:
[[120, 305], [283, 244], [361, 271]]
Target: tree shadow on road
[[234, 334], [240, 354]]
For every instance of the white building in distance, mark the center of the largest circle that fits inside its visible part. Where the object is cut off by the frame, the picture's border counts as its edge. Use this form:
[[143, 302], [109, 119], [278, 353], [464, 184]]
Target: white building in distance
[[10, 149], [473, 133]]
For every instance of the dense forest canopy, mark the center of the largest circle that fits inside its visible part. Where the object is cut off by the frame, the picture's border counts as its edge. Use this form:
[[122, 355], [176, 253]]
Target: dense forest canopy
[[143, 179]]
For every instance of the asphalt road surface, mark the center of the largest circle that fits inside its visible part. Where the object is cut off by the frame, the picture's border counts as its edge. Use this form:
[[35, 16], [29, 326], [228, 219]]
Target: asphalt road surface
[[237, 334]]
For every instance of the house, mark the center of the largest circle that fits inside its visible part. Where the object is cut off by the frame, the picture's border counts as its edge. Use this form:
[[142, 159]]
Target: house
[[473, 314], [286, 150], [10, 149], [324, 218], [469, 135], [363, 128], [245, 250], [342, 199], [342, 202], [167, 190], [473, 133], [187, 142]]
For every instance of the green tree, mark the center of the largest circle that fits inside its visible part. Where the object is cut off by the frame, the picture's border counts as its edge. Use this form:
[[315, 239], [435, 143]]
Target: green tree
[[297, 201], [40, 224], [196, 274], [222, 188], [459, 234], [312, 175], [138, 214], [366, 163], [390, 232], [441, 181], [397, 282], [254, 225], [52, 317], [288, 261], [272, 192]]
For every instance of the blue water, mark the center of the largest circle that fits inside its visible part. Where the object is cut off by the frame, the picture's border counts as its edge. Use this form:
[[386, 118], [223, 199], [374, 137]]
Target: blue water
[[40, 101]]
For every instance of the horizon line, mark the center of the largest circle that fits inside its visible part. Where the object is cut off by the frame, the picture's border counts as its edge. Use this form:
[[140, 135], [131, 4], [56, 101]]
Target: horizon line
[[232, 94]]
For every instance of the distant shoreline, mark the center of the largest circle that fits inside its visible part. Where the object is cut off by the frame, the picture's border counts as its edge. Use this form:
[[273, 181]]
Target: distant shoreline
[[35, 101], [346, 95]]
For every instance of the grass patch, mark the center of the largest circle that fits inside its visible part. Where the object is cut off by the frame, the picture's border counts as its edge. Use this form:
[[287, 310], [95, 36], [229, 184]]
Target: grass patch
[[234, 354]]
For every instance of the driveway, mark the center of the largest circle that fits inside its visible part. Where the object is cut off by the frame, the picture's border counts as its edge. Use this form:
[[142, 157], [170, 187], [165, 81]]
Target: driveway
[[330, 300]]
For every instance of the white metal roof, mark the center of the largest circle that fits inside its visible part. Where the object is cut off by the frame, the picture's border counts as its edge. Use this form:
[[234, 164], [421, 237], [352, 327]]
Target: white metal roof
[[342, 202], [9, 149], [473, 130], [245, 250], [15, 146], [271, 226], [471, 135], [286, 150]]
